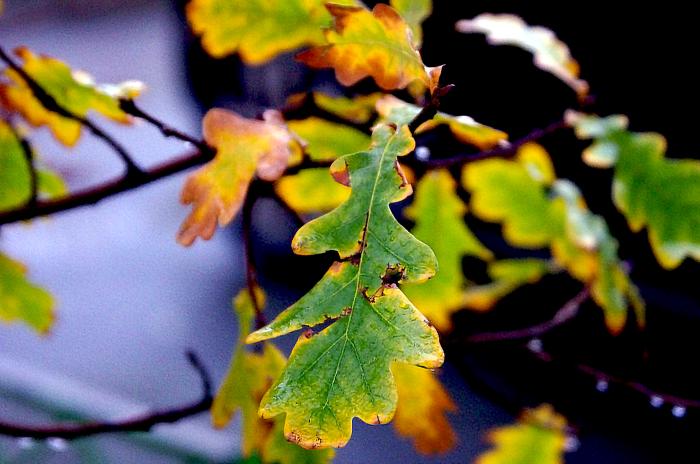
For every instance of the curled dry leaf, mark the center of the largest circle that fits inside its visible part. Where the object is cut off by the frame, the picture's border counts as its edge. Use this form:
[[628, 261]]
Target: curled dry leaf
[[549, 53], [377, 44], [244, 148]]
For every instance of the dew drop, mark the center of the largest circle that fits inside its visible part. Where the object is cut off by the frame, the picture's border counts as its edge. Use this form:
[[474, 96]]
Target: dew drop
[[571, 444], [25, 443], [57, 444], [535, 345], [423, 153], [678, 411], [602, 385], [656, 401]]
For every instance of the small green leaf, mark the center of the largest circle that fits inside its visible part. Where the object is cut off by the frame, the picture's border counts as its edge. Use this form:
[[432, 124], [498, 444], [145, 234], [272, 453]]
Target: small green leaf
[[438, 213], [359, 109], [651, 191], [539, 437], [344, 371], [20, 300]]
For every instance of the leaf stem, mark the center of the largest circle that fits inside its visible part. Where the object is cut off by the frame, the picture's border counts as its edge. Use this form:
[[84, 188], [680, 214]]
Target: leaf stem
[[141, 423]]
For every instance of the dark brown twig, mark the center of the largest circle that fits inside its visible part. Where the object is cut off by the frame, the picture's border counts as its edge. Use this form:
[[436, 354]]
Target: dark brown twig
[[50, 103], [130, 107], [499, 152], [563, 315], [95, 194], [429, 111], [142, 423]]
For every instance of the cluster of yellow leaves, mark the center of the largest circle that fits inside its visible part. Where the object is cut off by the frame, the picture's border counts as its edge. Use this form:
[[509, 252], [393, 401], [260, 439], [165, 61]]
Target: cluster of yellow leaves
[[549, 53], [539, 437], [537, 210], [250, 374], [73, 90]]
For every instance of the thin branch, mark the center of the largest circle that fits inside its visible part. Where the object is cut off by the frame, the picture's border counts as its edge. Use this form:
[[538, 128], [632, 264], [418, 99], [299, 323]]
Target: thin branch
[[500, 152], [563, 315], [141, 423], [33, 176], [95, 194], [50, 103], [656, 398], [250, 274], [130, 107], [429, 111]]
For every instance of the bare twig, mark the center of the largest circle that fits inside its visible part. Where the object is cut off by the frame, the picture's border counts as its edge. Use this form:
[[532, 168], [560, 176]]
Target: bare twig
[[430, 110], [137, 424], [500, 152], [563, 315], [130, 107], [50, 103]]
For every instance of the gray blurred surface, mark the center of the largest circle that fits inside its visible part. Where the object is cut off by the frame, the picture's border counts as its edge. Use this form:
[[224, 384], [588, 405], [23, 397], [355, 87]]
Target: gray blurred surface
[[130, 300]]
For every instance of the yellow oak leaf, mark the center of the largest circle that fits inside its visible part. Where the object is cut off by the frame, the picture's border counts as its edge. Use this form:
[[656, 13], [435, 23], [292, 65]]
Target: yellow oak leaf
[[74, 91], [258, 30], [244, 148], [377, 44], [438, 214], [539, 437], [325, 140], [359, 109], [422, 409], [249, 375], [311, 190], [549, 53]]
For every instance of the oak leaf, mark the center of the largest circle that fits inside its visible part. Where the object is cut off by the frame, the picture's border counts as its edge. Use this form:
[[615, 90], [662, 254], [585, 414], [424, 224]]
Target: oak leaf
[[422, 410], [414, 12], [74, 91], [358, 109], [549, 53], [20, 300], [244, 148], [438, 215], [538, 211], [343, 371], [539, 437], [258, 29], [651, 191], [377, 44], [248, 376]]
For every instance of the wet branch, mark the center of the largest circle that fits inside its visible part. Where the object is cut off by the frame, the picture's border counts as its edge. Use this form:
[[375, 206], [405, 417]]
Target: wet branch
[[141, 423], [563, 315]]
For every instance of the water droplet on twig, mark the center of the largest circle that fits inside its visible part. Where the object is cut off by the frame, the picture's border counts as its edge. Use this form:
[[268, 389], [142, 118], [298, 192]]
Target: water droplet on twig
[[57, 444]]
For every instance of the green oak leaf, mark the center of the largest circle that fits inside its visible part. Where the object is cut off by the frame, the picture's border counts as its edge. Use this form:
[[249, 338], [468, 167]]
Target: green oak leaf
[[15, 174], [660, 194], [538, 211], [438, 214], [414, 12], [21, 300], [344, 371]]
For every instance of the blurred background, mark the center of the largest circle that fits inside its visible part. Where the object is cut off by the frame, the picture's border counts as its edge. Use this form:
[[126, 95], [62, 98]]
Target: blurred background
[[131, 301]]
